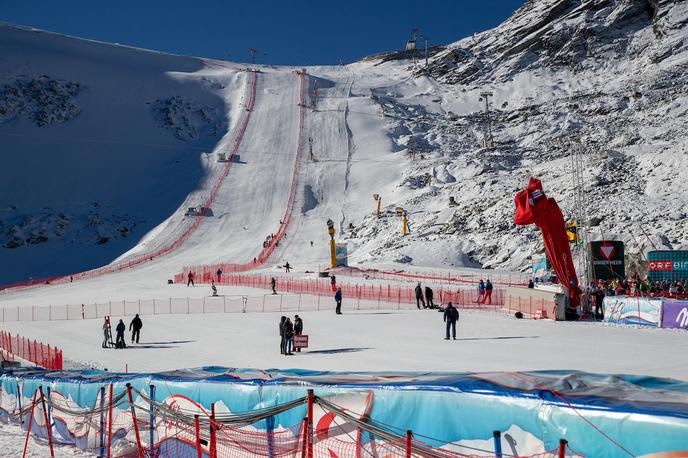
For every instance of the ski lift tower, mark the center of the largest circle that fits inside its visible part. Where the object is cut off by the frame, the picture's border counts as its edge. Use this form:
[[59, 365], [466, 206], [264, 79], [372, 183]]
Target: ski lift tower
[[580, 211], [488, 140]]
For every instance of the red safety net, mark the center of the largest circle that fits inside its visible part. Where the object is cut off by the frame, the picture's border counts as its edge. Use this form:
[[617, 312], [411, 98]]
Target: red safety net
[[30, 350], [396, 294], [533, 207], [118, 426]]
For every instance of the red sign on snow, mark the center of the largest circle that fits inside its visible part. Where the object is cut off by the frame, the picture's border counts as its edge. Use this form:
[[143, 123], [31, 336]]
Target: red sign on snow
[[607, 251], [300, 341]]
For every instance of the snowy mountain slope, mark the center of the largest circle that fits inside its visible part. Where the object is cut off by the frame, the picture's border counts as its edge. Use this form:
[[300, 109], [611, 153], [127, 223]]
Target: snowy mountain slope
[[621, 95], [89, 140]]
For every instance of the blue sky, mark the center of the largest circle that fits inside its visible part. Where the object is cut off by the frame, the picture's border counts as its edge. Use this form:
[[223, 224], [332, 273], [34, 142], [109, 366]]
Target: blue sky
[[284, 32]]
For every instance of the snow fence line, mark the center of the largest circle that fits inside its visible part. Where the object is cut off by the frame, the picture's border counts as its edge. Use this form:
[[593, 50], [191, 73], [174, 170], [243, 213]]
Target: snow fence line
[[382, 294], [128, 421], [178, 241], [13, 347], [465, 276]]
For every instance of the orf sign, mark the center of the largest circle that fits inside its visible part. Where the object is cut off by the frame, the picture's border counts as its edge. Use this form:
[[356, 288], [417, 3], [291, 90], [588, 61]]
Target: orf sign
[[607, 258], [300, 341]]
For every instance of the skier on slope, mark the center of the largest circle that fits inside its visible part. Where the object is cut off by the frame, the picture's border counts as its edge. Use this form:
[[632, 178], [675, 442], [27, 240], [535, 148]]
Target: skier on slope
[[135, 328], [419, 296]]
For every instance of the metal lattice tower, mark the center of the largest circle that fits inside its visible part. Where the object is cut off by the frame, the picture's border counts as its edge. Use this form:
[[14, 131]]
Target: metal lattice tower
[[579, 210]]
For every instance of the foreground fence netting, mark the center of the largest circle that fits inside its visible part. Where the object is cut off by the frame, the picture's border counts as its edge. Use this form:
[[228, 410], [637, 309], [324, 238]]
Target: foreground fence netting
[[41, 354], [128, 422]]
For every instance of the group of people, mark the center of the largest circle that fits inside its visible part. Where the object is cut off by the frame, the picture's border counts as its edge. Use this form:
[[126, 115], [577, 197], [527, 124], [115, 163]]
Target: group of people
[[135, 327], [287, 331], [425, 300], [485, 291]]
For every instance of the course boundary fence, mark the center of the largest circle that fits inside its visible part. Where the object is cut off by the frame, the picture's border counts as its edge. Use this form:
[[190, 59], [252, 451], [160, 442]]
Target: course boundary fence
[[389, 294], [461, 277], [121, 425], [30, 350], [146, 257]]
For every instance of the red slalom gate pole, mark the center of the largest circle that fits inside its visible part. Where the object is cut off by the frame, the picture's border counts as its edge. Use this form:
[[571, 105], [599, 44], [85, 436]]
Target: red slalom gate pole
[[213, 439], [47, 423], [309, 426], [409, 436], [109, 424], [28, 430], [136, 426], [562, 448], [197, 431]]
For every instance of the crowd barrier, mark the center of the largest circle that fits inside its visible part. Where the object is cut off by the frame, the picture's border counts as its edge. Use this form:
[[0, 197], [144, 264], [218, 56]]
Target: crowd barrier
[[180, 239], [389, 294], [646, 311], [247, 413], [30, 350], [460, 276]]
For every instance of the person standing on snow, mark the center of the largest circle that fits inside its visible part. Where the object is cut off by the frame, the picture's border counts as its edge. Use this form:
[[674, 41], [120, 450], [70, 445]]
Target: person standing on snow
[[488, 292], [121, 327], [273, 284], [135, 326], [481, 291], [428, 297], [451, 316], [298, 328], [190, 280], [283, 340], [107, 332], [288, 336], [419, 296], [338, 300]]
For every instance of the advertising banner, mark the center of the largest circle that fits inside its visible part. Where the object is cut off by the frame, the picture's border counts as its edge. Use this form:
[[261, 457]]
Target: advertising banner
[[341, 253], [675, 314], [667, 264], [632, 310], [607, 258]]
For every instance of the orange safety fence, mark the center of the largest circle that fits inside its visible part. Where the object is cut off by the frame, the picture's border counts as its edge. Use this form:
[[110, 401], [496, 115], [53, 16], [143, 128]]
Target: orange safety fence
[[30, 350], [395, 294]]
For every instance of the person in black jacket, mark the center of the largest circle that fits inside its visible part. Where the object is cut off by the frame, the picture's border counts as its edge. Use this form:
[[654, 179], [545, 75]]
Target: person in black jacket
[[121, 327], [298, 328], [451, 316], [428, 297], [288, 335], [419, 296], [283, 340], [135, 328], [338, 300]]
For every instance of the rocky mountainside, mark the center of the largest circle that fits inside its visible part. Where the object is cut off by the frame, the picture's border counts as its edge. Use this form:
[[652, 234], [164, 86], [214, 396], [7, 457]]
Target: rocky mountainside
[[607, 76]]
